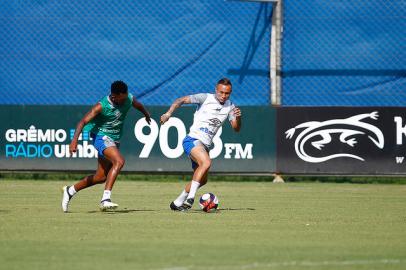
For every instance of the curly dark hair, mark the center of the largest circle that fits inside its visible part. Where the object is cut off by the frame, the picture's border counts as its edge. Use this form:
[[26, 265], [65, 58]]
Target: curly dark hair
[[119, 87]]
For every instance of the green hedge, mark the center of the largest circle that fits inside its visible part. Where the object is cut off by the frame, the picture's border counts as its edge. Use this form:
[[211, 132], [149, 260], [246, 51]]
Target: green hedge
[[215, 177]]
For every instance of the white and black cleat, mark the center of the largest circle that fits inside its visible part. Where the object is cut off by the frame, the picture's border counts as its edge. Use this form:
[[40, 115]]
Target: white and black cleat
[[107, 205], [66, 197], [188, 204], [174, 207]]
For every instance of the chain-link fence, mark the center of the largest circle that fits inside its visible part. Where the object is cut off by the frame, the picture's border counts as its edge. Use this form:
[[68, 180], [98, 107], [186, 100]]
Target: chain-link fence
[[349, 53], [69, 52], [334, 52]]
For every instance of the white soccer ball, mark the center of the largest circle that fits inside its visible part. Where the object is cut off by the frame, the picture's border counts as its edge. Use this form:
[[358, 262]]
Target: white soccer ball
[[208, 202]]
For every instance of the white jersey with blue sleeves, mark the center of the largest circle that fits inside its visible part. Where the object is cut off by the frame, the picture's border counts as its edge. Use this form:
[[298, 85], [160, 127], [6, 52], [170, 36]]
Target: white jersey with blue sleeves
[[209, 117]]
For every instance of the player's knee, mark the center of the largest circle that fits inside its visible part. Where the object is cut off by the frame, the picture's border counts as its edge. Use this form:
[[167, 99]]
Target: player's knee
[[206, 164], [119, 163], [99, 178]]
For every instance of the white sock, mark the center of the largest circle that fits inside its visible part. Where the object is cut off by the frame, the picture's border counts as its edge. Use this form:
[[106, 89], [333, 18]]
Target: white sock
[[193, 188], [182, 197], [71, 190], [106, 195]]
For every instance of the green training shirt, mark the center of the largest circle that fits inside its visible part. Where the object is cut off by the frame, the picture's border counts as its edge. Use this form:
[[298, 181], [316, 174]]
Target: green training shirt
[[111, 119]]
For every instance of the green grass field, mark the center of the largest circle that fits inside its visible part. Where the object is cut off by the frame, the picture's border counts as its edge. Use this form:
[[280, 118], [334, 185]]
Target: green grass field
[[260, 226]]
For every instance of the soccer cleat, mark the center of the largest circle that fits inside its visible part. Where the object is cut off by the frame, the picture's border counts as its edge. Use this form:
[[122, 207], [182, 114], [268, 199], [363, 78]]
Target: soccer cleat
[[188, 204], [65, 198], [176, 208], [107, 205]]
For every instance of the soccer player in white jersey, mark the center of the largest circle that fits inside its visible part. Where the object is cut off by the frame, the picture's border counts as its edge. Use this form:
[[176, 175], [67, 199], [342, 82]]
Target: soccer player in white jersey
[[212, 111]]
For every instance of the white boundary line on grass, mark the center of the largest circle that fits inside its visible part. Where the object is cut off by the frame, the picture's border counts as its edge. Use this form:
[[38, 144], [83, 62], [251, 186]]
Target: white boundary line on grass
[[289, 264]]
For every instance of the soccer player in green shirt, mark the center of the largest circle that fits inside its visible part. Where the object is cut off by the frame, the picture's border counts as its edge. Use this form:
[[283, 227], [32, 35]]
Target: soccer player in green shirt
[[105, 125]]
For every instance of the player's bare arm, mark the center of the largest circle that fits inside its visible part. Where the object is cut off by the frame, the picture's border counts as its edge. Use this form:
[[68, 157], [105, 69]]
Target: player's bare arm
[[96, 109], [176, 104], [236, 123], [137, 105]]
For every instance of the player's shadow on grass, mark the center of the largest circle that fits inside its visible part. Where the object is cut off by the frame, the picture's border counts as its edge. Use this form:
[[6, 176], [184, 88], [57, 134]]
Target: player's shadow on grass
[[123, 211], [223, 210], [126, 211], [4, 211], [236, 209]]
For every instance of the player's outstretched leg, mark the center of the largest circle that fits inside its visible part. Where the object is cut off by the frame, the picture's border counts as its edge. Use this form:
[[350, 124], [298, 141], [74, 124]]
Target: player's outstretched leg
[[88, 181], [201, 157], [177, 205], [117, 161], [201, 163]]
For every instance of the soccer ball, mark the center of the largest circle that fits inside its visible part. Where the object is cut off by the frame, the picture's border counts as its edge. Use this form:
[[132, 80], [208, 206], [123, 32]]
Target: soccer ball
[[208, 202]]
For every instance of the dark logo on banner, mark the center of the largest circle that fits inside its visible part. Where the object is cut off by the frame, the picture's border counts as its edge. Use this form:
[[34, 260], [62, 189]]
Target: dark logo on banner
[[319, 134]]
